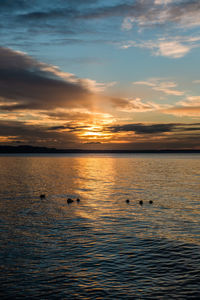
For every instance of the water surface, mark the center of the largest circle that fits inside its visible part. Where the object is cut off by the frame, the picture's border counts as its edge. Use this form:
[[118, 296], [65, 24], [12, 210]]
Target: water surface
[[102, 247]]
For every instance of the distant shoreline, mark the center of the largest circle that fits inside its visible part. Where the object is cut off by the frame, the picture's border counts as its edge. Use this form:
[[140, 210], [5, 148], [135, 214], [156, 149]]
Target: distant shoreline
[[46, 150]]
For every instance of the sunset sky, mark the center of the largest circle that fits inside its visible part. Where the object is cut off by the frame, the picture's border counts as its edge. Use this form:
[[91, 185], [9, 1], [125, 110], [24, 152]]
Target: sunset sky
[[107, 74]]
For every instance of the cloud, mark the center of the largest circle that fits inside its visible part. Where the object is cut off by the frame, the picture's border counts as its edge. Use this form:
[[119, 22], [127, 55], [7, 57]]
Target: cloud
[[183, 111], [185, 14], [142, 13], [128, 23], [57, 127], [160, 2], [155, 129], [143, 129], [30, 84], [70, 127], [75, 22], [191, 101], [34, 135], [171, 47], [149, 13], [9, 5], [156, 136], [133, 105], [158, 84], [190, 107], [41, 99]]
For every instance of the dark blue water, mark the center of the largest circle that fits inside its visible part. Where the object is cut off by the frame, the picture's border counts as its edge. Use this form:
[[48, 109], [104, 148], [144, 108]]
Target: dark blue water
[[102, 247]]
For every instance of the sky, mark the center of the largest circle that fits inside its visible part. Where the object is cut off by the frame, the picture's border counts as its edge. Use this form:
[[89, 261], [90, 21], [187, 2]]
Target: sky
[[96, 74]]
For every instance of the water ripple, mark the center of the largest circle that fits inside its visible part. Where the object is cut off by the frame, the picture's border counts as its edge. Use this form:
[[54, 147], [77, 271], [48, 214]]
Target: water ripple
[[102, 247]]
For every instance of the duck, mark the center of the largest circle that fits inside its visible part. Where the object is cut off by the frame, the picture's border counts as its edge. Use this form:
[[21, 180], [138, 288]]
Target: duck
[[141, 202], [78, 200], [69, 200], [42, 196], [150, 202], [127, 200]]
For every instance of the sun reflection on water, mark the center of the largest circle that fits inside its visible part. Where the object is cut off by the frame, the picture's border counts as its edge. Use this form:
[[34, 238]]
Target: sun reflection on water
[[103, 183]]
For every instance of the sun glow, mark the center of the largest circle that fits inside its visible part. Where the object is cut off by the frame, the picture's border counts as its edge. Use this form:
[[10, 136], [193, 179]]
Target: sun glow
[[95, 132]]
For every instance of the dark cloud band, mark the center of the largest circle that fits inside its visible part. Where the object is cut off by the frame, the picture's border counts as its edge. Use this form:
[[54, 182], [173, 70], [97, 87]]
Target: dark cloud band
[[34, 85]]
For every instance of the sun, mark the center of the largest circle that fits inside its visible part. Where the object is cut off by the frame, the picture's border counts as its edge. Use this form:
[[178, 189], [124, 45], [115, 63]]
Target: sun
[[95, 133], [95, 128]]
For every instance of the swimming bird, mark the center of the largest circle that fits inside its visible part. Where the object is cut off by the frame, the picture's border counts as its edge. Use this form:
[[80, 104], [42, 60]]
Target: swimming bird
[[42, 196], [150, 202], [78, 200], [141, 202], [127, 201], [69, 200]]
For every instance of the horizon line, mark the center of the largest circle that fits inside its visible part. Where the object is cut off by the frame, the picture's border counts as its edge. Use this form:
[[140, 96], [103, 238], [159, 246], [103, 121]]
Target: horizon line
[[42, 149]]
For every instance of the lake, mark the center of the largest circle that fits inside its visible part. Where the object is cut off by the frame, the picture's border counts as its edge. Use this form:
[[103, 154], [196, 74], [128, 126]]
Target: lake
[[101, 247]]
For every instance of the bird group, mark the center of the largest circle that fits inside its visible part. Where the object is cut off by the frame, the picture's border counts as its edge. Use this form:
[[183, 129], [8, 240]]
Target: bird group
[[69, 200], [140, 202]]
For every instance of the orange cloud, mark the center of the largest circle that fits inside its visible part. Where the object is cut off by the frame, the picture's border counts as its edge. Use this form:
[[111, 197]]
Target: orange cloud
[[190, 107], [190, 111]]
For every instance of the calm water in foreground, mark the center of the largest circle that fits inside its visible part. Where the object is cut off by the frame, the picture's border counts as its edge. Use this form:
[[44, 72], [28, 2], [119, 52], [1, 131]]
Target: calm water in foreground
[[102, 247]]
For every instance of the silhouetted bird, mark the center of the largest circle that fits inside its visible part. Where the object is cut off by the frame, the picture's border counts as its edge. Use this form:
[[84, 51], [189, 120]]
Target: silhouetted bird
[[78, 200], [150, 202], [141, 202], [127, 201], [42, 196], [69, 200]]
